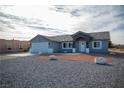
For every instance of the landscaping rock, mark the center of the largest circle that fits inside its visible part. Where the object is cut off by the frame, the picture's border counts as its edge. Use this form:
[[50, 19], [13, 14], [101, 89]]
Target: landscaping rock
[[52, 57], [100, 60]]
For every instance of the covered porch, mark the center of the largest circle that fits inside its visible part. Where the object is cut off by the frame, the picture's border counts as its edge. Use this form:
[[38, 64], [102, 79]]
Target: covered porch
[[81, 42]]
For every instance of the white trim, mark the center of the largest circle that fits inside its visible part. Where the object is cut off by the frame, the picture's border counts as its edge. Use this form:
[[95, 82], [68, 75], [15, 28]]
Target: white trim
[[67, 45], [100, 47]]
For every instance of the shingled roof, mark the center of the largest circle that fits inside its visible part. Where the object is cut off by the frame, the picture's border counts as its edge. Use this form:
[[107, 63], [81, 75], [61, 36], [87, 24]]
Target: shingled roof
[[95, 36], [100, 35], [61, 38]]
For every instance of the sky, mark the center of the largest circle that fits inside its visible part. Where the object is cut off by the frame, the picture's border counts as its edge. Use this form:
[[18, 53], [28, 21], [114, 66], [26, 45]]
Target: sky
[[25, 22]]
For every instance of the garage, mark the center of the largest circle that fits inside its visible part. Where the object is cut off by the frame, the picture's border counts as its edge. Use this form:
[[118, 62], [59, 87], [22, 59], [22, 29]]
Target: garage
[[41, 47]]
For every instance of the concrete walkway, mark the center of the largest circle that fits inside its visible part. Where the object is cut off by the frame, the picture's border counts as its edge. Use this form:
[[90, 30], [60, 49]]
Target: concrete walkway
[[14, 55]]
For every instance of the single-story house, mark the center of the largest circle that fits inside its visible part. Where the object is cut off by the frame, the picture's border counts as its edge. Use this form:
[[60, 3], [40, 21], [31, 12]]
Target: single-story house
[[79, 42]]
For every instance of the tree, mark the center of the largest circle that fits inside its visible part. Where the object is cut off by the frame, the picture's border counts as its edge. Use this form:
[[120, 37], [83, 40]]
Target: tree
[[110, 44]]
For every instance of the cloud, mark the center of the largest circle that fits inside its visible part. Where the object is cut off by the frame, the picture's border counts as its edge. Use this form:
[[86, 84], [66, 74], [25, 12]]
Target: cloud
[[120, 27], [28, 21], [117, 37]]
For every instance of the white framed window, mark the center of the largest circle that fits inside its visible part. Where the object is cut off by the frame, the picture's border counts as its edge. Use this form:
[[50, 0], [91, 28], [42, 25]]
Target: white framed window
[[97, 44], [67, 45]]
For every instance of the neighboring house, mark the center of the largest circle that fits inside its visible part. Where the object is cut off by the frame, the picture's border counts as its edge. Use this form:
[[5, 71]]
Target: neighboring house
[[13, 46], [79, 42]]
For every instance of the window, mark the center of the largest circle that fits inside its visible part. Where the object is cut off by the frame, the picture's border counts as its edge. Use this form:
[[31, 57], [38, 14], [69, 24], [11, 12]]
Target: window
[[87, 44], [49, 44], [70, 45], [97, 45], [67, 45], [64, 45], [20, 45]]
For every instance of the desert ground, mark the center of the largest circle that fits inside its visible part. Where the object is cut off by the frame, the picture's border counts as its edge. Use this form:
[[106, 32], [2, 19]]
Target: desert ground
[[27, 71]]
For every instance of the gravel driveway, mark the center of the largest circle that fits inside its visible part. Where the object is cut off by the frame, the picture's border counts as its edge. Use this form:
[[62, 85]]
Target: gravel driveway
[[28, 72]]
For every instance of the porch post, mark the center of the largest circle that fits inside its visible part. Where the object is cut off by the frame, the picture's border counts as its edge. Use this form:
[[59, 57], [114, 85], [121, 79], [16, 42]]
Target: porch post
[[87, 47], [74, 48]]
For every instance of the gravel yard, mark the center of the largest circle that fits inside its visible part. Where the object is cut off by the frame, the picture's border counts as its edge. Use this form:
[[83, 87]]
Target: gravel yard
[[28, 72]]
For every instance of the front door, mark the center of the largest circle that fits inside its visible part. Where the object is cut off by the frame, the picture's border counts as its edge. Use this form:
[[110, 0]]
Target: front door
[[82, 46]]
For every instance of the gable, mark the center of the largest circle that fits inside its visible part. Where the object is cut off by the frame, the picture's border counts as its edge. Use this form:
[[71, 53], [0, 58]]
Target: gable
[[39, 38], [81, 35]]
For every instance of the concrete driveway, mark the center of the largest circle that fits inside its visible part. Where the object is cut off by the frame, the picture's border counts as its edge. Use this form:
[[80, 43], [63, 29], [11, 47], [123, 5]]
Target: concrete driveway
[[14, 55]]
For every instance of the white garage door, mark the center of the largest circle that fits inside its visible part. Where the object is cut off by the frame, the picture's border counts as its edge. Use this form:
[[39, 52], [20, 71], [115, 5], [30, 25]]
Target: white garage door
[[40, 48]]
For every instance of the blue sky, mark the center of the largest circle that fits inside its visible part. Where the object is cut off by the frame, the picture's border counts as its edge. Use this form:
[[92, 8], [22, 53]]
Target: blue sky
[[24, 22]]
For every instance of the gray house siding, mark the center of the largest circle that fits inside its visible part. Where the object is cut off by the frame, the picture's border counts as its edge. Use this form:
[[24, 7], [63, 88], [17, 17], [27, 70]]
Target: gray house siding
[[103, 50], [55, 46], [77, 46]]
